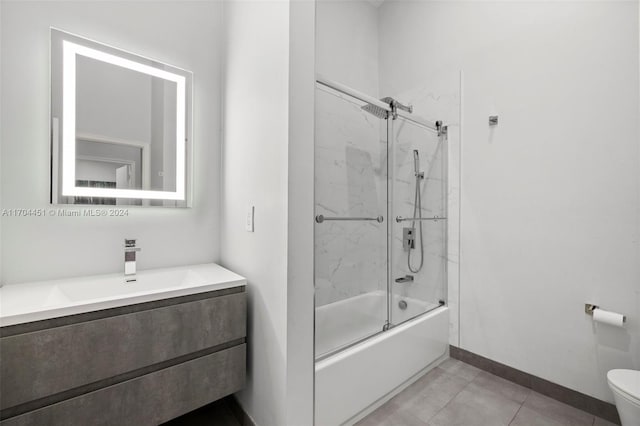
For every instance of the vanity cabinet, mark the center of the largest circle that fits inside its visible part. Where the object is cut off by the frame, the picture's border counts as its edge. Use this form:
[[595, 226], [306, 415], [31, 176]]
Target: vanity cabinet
[[140, 364]]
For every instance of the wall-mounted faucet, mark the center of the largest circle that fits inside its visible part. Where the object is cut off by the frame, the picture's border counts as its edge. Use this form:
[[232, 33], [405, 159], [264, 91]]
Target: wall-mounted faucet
[[405, 279], [130, 250]]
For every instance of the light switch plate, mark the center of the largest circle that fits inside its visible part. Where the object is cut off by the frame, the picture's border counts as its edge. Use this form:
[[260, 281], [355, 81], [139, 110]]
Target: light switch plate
[[249, 222]]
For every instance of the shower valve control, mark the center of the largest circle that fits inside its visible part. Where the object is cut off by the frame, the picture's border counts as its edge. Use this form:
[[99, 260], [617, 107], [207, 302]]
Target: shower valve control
[[408, 238]]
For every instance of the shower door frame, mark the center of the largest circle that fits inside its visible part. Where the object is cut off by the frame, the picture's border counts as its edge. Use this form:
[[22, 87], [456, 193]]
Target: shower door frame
[[441, 130], [436, 126], [391, 180]]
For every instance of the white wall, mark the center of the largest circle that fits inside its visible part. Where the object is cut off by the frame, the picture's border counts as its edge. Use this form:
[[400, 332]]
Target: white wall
[[268, 163], [347, 43], [50, 247], [300, 305], [1, 148], [549, 196], [254, 173]]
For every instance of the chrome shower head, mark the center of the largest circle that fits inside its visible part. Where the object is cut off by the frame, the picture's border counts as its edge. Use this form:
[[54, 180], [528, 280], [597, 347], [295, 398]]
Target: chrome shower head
[[394, 106], [416, 161], [376, 110]]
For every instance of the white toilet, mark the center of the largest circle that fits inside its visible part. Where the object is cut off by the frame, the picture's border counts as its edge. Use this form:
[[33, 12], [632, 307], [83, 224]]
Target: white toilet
[[625, 385]]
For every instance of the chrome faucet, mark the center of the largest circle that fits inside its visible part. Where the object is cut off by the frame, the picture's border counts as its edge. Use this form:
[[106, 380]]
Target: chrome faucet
[[130, 250]]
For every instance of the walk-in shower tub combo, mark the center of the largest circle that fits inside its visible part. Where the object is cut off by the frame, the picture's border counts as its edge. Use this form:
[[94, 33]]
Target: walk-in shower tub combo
[[380, 250]]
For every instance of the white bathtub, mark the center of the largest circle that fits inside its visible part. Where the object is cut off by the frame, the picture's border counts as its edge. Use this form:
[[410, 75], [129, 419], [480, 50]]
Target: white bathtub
[[355, 381]]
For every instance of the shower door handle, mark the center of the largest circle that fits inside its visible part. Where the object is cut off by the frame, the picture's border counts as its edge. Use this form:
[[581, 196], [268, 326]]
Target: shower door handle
[[411, 219], [321, 218]]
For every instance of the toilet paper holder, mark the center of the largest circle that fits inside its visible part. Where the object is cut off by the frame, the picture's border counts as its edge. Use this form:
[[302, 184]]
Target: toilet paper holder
[[589, 308]]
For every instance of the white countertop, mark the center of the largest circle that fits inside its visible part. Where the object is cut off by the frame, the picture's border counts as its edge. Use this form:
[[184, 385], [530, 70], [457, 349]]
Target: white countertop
[[34, 301]]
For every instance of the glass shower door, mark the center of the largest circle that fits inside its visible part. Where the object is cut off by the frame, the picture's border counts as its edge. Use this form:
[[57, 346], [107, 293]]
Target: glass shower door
[[418, 226], [351, 224]]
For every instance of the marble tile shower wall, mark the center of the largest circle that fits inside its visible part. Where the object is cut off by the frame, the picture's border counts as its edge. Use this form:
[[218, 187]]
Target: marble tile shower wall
[[350, 181], [428, 285], [438, 98]]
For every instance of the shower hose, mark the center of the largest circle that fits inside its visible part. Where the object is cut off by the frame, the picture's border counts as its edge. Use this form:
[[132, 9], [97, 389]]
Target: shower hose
[[417, 213]]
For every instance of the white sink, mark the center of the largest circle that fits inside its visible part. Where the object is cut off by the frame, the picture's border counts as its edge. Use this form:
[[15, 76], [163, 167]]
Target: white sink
[[26, 302], [114, 286]]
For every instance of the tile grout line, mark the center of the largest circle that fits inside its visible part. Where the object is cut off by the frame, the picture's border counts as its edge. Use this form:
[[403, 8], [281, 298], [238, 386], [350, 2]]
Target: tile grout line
[[453, 397], [593, 422], [521, 404], [516, 414]]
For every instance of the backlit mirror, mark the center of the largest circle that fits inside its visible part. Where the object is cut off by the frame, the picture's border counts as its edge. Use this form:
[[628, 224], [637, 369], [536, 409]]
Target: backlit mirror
[[120, 126]]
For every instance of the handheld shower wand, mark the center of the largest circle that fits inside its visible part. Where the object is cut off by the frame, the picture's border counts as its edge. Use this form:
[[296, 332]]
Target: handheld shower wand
[[417, 211]]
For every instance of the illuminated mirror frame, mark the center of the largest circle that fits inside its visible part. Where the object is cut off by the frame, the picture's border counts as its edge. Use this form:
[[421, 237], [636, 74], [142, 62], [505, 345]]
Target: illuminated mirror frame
[[74, 46]]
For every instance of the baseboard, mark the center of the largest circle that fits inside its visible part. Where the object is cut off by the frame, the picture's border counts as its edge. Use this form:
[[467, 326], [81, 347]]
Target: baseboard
[[571, 397], [238, 412]]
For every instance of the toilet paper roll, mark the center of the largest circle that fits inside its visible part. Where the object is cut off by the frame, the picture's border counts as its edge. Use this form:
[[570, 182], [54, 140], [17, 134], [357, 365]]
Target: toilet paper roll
[[607, 317]]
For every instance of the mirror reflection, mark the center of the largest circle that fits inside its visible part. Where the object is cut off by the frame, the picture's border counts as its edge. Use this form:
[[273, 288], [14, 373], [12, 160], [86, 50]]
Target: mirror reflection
[[119, 126]]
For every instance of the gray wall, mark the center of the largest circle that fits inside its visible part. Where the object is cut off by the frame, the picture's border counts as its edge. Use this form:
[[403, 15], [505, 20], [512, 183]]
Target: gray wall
[[37, 248]]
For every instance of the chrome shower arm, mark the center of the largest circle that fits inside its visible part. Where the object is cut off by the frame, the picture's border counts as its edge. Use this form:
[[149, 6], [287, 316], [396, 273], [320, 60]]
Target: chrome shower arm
[[398, 105]]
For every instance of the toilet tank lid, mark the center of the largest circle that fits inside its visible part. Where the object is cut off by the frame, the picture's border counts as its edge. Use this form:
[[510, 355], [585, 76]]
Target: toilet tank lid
[[627, 381]]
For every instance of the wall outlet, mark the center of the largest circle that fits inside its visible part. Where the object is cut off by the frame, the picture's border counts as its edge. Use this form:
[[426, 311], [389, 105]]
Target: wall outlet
[[249, 223]]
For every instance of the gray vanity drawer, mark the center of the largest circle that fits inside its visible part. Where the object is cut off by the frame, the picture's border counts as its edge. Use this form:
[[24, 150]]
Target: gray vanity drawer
[[150, 399], [42, 363]]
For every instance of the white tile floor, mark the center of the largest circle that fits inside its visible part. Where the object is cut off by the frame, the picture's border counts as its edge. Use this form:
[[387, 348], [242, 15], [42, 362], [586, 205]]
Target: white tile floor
[[456, 393]]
